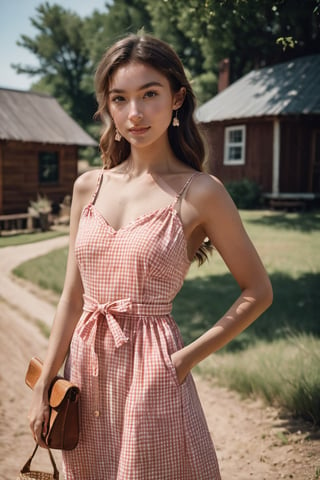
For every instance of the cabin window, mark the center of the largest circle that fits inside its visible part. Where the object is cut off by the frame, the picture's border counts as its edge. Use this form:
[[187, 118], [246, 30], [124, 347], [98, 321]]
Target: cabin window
[[234, 145], [48, 167]]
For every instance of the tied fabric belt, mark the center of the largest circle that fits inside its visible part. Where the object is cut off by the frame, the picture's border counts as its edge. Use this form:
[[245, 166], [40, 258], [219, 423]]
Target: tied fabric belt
[[108, 311]]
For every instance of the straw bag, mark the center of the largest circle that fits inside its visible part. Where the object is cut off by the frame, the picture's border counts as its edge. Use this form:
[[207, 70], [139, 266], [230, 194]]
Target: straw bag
[[63, 426], [27, 474]]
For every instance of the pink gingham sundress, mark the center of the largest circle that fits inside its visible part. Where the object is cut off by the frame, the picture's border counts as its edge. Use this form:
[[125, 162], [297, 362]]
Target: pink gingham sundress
[[137, 422]]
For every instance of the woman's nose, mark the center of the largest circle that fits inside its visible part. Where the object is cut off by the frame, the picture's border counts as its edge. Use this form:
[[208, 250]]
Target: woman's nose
[[135, 113]]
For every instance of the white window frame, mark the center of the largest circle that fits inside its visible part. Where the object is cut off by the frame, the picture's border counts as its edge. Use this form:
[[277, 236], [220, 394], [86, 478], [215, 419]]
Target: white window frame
[[227, 145]]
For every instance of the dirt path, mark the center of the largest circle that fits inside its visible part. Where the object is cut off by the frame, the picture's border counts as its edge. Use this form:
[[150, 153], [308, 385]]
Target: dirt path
[[11, 291], [252, 441]]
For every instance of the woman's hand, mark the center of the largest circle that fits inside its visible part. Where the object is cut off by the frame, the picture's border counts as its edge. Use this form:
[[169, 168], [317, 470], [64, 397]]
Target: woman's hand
[[181, 365], [39, 415]]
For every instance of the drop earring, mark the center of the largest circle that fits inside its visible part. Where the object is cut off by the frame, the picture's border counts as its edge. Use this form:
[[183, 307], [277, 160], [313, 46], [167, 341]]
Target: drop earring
[[175, 120], [117, 136]]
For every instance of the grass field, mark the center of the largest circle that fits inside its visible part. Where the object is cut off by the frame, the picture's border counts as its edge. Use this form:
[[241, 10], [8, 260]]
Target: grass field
[[23, 238], [278, 356], [289, 247]]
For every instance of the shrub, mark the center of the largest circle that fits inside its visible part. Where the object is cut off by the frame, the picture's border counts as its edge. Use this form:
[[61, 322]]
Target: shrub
[[41, 205], [245, 193], [40, 209]]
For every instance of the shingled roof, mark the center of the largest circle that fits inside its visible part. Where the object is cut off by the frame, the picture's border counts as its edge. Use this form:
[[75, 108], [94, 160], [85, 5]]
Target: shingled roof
[[285, 89], [35, 117]]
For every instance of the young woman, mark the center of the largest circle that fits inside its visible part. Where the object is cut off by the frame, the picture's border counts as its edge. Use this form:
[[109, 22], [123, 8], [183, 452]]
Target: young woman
[[136, 225]]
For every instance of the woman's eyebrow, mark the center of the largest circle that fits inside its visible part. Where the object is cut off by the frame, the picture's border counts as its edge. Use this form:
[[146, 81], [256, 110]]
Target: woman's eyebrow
[[143, 87]]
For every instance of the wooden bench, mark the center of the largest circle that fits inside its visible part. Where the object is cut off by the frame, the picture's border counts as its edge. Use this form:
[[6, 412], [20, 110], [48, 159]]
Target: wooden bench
[[279, 203], [288, 201], [16, 221]]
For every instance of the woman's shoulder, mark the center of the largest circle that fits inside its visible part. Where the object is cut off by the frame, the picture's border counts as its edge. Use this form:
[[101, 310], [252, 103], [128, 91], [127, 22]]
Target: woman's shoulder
[[209, 197], [205, 186], [87, 182]]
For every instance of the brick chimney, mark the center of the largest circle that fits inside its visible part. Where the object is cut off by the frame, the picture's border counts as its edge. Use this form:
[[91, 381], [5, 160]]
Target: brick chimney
[[224, 74]]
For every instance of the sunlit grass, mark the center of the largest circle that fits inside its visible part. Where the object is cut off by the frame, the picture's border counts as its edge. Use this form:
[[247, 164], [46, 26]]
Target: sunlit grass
[[46, 271], [24, 238], [284, 373]]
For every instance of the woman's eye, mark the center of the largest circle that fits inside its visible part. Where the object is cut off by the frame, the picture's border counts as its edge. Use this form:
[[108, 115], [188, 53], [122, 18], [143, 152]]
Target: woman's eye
[[150, 94], [117, 99]]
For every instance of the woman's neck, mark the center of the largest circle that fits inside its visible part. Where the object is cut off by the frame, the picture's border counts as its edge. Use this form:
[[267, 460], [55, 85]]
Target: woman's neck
[[151, 159]]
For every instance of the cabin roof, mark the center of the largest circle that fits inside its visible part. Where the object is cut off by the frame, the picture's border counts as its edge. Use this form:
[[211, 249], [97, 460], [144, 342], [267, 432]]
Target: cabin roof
[[33, 117], [288, 88]]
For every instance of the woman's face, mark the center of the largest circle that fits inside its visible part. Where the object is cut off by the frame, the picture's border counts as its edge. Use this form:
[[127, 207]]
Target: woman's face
[[141, 103]]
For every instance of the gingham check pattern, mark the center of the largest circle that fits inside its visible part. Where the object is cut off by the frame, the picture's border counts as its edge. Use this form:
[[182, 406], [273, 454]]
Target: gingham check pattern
[[136, 421]]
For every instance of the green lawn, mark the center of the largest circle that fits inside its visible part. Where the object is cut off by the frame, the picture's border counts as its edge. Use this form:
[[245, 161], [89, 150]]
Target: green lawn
[[289, 247], [276, 357], [24, 238]]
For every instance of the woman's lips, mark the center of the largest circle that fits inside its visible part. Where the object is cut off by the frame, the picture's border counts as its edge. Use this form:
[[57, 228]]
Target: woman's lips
[[138, 130]]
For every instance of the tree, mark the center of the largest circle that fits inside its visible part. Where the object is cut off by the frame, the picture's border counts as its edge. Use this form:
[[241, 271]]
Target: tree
[[123, 17], [64, 59], [251, 33]]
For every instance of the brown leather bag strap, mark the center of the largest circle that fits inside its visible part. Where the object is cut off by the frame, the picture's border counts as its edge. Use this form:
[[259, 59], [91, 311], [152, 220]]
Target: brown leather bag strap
[[27, 466]]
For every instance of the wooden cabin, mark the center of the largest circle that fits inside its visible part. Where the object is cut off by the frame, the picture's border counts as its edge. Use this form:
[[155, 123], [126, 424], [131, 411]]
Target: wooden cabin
[[266, 127], [39, 145]]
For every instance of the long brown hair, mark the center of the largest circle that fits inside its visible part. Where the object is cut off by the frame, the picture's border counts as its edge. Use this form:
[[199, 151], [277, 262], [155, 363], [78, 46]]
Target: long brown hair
[[186, 141]]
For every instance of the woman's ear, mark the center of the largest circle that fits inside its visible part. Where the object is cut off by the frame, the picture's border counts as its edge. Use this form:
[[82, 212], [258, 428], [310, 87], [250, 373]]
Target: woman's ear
[[178, 98]]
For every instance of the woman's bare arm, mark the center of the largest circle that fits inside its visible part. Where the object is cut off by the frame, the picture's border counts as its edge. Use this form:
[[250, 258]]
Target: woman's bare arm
[[68, 312], [221, 223]]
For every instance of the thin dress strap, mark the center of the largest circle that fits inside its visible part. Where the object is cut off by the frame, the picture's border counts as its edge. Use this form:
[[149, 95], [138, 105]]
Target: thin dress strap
[[99, 183], [184, 189]]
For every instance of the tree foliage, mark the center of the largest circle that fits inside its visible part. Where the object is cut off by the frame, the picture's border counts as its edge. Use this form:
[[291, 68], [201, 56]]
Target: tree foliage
[[63, 59], [251, 33], [245, 31], [122, 17]]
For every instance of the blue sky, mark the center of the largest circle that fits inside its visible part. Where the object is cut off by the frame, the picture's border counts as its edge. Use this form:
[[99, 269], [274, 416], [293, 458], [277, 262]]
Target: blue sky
[[14, 21]]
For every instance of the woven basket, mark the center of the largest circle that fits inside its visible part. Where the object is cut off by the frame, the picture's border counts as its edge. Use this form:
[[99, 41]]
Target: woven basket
[[26, 473], [35, 475]]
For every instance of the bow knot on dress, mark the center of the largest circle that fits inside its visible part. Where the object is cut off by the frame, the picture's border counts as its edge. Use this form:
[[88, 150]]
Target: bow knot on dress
[[108, 312]]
